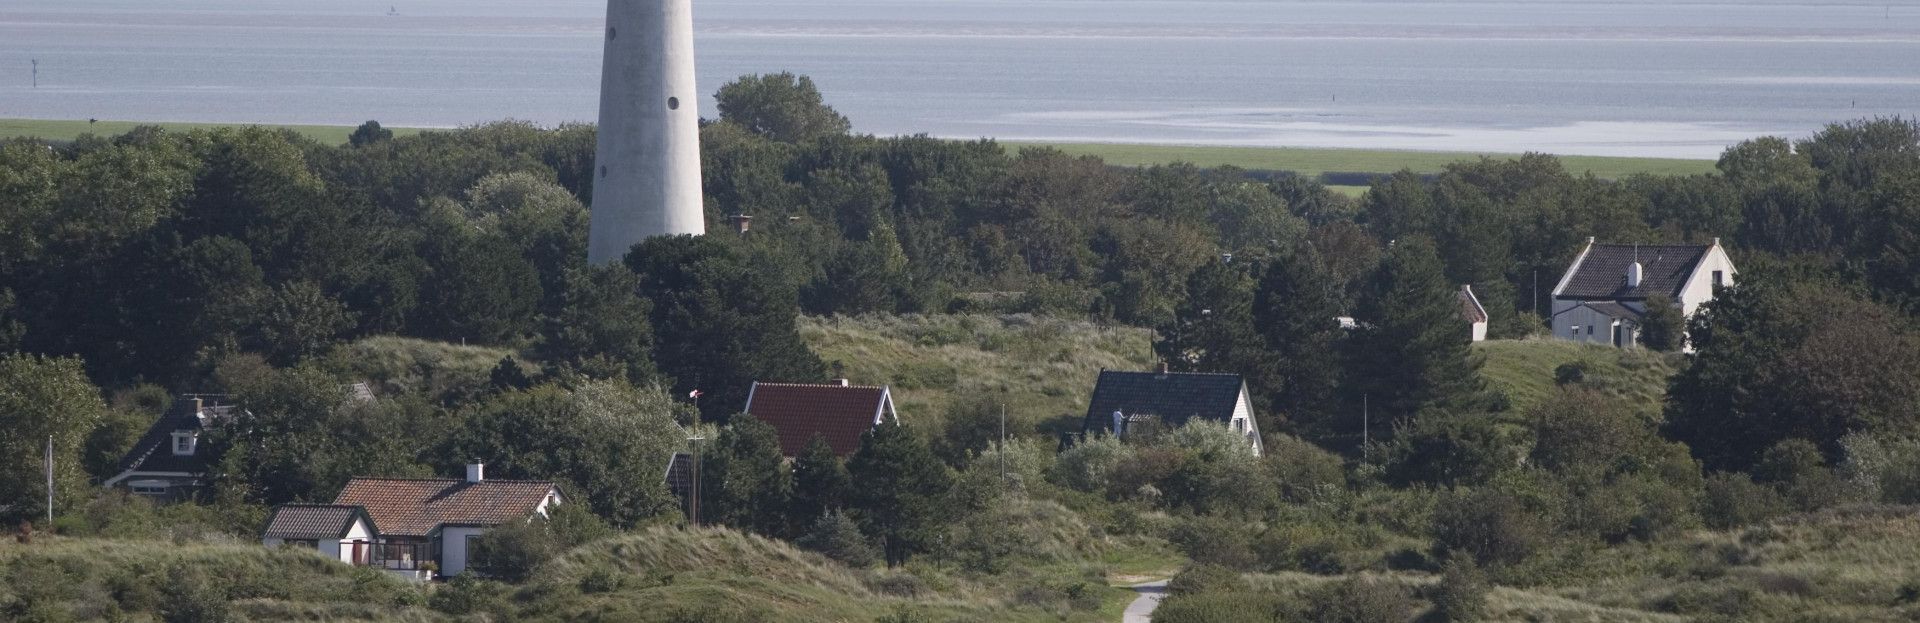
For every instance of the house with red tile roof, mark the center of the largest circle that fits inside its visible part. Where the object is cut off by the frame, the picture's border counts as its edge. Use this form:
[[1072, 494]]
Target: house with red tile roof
[[415, 521], [837, 412], [344, 533]]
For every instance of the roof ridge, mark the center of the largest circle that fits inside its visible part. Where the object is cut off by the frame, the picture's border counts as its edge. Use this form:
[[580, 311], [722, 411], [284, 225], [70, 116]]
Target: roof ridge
[[1171, 373], [500, 480], [825, 385]]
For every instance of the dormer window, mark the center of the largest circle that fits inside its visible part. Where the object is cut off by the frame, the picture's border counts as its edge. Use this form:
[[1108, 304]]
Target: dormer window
[[184, 442]]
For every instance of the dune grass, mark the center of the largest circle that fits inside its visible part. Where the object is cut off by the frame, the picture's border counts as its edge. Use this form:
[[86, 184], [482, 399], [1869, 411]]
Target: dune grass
[[1523, 370], [69, 129], [1315, 161], [1042, 369]]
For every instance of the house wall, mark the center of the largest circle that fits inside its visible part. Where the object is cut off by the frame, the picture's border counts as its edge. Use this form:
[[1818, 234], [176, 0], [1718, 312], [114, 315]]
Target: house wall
[[453, 549], [1699, 288], [1243, 420], [342, 550], [1584, 317], [1479, 332]]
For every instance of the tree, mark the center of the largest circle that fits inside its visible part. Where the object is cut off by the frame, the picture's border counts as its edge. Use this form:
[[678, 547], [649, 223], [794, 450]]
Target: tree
[[1213, 329], [605, 442], [601, 327], [369, 133], [781, 106], [837, 537], [720, 323], [43, 398], [747, 482], [820, 484], [1778, 359], [1295, 309], [1411, 351], [1663, 328], [900, 489]]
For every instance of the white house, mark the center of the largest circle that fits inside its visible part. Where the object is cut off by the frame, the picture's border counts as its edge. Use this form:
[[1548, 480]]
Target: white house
[[1474, 314], [343, 533], [168, 463], [1124, 400], [415, 521], [1602, 298]]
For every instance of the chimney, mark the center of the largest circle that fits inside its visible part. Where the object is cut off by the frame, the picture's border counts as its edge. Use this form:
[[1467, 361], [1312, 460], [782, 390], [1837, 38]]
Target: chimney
[[1163, 367], [742, 223], [838, 383], [476, 471], [198, 405], [1634, 273]]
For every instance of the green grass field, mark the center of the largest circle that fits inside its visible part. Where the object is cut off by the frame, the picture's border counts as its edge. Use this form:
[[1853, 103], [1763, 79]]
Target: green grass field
[[1314, 161], [66, 130], [1523, 370]]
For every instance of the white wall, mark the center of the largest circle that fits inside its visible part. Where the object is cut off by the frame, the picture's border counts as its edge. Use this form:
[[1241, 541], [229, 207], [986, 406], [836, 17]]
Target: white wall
[[1583, 318], [342, 550], [1699, 288], [1243, 412], [453, 549], [1479, 332]]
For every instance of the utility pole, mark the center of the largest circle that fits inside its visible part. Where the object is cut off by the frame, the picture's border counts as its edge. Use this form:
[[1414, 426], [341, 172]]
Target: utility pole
[[1366, 421], [693, 499], [49, 482], [1003, 445]]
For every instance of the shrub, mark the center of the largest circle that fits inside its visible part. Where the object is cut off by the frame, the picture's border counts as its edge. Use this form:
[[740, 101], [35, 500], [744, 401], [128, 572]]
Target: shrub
[[465, 594], [1462, 592], [1362, 599], [1215, 541], [513, 550], [1089, 466], [1205, 578], [1569, 373], [1491, 526], [1733, 500], [193, 598], [1227, 607], [836, 536], [1304, 473]]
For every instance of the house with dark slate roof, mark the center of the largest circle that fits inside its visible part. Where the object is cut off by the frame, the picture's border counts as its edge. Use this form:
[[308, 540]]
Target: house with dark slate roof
[[168, 463], [414, 526], [1128, 401], [837, 412], [1602, 299]]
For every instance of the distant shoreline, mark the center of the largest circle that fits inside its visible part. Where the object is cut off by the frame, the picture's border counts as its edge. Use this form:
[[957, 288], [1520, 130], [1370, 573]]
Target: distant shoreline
[[1303, 160]]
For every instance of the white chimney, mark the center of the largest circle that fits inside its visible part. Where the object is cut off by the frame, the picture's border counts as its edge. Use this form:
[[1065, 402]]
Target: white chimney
[[1634, 273], [838, 383], [476, 471]]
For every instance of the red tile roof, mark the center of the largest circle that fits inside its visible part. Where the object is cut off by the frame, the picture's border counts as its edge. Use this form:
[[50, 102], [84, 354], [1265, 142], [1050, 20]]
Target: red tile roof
[[417, 507], [839, 413], [313, 521]]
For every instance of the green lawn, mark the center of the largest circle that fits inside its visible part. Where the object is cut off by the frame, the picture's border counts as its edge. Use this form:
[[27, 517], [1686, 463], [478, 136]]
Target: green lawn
[[66, 130], [1314, 161], [1523, 370]]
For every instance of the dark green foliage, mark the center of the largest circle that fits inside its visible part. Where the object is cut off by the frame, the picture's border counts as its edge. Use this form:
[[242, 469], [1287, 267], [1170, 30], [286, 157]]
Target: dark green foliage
[[466, 594], [1205, 578], [601, 328], [369, 133], [1664, 328], [1362, 599], [836, 536], [897, 492], [720, 322], [1733, 500], [1451, 449], [820, 485], [781, 106], [511, 551], [1493, 527], [1461, 595], [1294, 309], [746, 482], [190, 597], [42, 398], [1215, 541], [1411, 343], [971, 426]]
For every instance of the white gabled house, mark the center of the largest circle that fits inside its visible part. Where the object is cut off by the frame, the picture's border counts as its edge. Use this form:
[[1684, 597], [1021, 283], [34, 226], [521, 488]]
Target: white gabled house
[[411, 522], [1602, 298], [1124, 400], [1474, 314]]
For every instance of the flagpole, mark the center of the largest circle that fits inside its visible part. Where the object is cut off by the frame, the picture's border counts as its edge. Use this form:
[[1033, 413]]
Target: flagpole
[[49, 481]]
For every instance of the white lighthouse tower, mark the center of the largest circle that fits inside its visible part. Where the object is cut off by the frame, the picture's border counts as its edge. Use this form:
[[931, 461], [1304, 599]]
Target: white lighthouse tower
[[647, 165]]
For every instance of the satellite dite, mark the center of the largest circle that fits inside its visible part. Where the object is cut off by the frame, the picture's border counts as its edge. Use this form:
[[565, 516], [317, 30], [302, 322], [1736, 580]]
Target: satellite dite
[[647, 163]]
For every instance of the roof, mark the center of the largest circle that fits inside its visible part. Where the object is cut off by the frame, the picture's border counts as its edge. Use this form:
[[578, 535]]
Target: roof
[[838, 413], [314, 521], [417, 507], [1174, 397], [154, 451], [1470, 308], [1601, 273]]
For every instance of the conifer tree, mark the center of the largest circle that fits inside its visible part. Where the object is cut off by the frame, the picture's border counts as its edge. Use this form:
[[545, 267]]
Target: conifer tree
[[748, 484], [1295, 310], [1212, 330], [820, 484], [1411, 350], [899, 490]]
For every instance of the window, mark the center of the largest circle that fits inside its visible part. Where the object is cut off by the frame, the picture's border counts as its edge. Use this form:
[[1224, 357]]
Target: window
[[147, 489], [183, 443], [1719, 278], [1590, 328]]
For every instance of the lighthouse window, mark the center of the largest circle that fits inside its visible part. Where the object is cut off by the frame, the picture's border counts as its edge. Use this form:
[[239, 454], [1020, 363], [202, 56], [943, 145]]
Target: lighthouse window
[[673, 103], [603, 171], [611, 33]]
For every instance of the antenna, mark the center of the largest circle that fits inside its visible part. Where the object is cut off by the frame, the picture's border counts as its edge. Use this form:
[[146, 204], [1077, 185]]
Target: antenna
[[36, 73]]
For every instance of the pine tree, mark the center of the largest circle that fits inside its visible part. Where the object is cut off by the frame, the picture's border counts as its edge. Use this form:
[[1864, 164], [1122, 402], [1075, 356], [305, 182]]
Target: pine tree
[[1295, 310], [820, 485], [900, 486], [1212, 330], [1411, 351], [748, 485]]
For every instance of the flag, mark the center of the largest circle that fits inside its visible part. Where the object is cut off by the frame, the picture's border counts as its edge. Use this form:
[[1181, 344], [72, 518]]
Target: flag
[[695, 394]]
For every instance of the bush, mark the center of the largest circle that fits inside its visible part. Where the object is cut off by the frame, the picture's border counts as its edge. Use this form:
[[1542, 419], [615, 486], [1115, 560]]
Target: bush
[[1462, 592], [836, 536], [193, 598], [1362, 599], [1304, 473], [1210, 540], [513, 550], [1227, 607], [1491, 526], [1205, 578], [1089, 466], [465, 594], [1733, 500]]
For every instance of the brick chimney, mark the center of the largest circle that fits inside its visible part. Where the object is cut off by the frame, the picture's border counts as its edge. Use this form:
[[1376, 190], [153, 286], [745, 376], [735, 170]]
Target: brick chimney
[[742, 223]]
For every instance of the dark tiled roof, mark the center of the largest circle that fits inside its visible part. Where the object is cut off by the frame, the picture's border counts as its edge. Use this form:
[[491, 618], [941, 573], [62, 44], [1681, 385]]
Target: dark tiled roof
[[313, 521], [799, 411], [415, 507], [1602, 275], [1174, 397], [154, 451], [1470, 308]]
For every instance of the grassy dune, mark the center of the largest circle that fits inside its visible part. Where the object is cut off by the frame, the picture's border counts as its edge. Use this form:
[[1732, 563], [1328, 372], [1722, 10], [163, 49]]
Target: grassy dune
[[1041, 368], [1524, 370], [1314, 161]]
